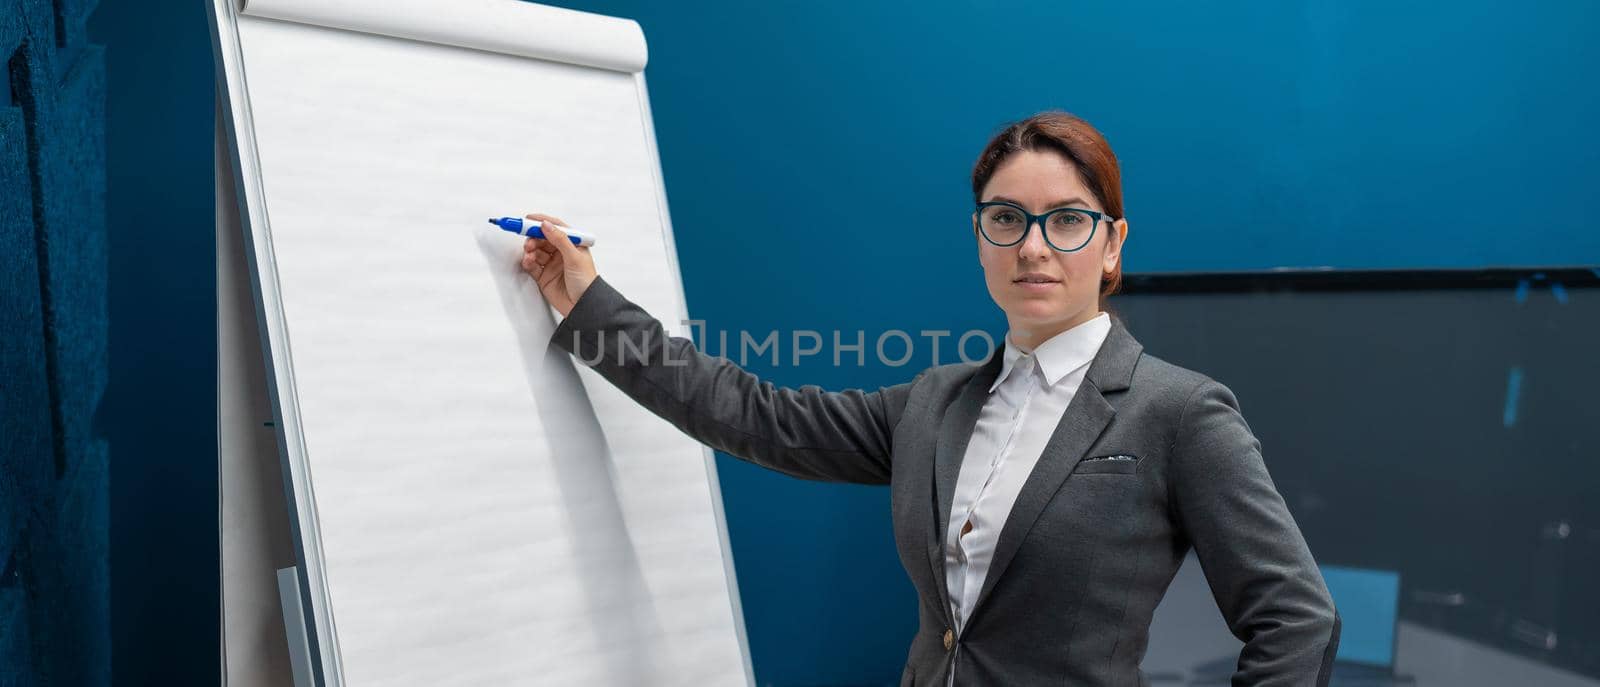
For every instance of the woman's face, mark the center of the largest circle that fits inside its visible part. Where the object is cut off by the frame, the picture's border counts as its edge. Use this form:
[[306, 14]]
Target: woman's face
[[1044, 291]]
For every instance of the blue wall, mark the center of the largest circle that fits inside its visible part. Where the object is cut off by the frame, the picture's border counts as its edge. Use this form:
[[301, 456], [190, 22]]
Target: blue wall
[[160, 406], [816, 159], [1253, 135], [54, 476]]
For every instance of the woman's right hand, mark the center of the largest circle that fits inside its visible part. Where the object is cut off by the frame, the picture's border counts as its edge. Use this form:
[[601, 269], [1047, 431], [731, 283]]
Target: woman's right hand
[[562, 270]]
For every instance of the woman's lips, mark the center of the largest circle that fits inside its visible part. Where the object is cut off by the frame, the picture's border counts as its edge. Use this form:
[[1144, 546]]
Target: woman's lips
[[1032, 283]]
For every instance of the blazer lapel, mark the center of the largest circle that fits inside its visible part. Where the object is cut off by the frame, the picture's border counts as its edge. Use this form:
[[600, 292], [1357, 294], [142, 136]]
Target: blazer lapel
[[955, 432], [1085, 418]]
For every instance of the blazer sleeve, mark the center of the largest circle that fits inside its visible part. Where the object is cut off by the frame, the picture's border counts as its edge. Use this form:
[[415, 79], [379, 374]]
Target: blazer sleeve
[[1255, 559], [809, 433]]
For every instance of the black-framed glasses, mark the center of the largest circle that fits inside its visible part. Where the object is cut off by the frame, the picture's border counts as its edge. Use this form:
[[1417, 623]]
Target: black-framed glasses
[[1065, 229]]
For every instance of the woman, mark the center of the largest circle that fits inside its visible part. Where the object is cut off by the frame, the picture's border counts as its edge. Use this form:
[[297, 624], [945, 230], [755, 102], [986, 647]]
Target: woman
[[1042, 501]]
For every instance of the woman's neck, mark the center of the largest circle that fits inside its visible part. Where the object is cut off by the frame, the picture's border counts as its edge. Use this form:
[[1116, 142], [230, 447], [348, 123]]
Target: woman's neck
[[1030, 336]]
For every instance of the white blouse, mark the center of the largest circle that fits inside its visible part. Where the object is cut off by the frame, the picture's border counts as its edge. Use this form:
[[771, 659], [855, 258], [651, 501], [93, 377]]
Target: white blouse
[[1025, 403]]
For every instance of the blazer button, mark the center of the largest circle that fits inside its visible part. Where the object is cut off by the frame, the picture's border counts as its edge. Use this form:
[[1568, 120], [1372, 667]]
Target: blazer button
[[949, 640]]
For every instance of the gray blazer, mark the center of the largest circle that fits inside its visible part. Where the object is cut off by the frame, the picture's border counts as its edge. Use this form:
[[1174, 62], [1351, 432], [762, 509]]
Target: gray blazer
[[1090, 546]]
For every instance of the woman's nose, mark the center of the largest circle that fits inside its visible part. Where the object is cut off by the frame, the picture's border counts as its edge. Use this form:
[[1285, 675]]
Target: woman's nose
[[1034, 247]]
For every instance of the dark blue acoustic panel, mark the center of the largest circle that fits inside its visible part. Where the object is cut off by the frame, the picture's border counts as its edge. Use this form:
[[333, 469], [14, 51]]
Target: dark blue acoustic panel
[[54, 470]]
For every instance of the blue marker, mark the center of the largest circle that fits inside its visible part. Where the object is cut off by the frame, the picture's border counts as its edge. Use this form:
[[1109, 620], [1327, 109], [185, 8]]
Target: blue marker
[[530, 227]]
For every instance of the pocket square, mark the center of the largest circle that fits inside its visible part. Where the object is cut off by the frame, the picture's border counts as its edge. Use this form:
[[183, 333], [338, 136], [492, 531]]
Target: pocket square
[[1119, 456], [1115, 464]]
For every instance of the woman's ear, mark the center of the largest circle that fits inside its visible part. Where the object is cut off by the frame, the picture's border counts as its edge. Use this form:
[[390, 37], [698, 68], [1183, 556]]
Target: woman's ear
[[1114, 240]]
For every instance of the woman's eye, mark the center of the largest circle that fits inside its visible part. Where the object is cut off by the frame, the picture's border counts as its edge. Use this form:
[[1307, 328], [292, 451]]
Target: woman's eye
[[1068, 218], [1007, 218]]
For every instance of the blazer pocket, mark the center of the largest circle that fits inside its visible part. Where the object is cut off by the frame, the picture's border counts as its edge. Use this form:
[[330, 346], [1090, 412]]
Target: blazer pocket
[[1119, 464]]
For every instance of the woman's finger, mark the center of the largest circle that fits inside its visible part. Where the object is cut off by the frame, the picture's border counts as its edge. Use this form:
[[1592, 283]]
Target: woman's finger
[[545, 221], [547, 218], [544, 244], [556, 236]]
